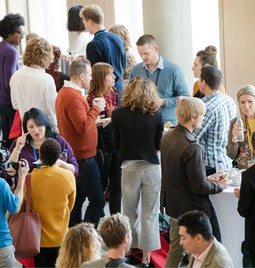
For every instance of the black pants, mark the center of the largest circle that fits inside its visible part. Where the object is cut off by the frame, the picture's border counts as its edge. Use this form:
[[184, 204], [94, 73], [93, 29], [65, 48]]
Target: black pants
[[47, 257], [7, 115], [111, 180], [215, 224]]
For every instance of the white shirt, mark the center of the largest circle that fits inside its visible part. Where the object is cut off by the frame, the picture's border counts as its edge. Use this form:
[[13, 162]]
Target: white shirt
[[33, 88], [198, 260]]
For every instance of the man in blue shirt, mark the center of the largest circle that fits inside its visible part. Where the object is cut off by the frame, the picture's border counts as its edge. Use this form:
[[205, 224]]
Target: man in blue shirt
[[220, 109], [105, 47], [9, 202], [166, 76]]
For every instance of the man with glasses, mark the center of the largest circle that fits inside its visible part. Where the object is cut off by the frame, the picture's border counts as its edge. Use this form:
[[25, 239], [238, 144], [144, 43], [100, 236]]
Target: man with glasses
[[12, 32]]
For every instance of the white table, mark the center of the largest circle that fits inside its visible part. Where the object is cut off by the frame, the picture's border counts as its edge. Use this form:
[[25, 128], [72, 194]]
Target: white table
[[231, 223]]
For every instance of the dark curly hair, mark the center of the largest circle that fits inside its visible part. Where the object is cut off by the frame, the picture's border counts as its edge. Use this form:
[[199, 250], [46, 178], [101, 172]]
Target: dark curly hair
[[74, 21], [50, 151], [10, 23]]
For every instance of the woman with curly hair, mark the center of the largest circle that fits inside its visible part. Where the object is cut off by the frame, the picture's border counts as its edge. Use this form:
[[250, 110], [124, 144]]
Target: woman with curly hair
[[81, 244], [137, 130], [31, 86], [12, 32]]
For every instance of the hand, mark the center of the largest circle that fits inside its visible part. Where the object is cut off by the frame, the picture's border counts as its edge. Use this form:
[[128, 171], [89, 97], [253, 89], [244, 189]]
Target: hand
[[23, 168], [237, 192], [21, 141], [100, 103], [236, 131], [162, 102]]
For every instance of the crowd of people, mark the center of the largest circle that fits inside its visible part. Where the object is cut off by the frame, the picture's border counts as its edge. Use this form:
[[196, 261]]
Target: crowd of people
[[145, 170]]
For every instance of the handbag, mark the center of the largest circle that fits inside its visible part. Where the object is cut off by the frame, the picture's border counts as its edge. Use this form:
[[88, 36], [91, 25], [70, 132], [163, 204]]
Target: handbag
[[25, 228], [101, 153]]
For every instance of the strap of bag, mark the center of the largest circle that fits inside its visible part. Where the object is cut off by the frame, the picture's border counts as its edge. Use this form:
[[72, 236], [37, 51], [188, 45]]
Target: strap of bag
[[115, 262], [28, 180]]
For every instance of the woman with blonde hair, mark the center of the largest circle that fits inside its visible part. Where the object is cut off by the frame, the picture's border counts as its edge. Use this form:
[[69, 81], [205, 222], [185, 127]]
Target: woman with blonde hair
[[242, 152], [137, 130], [81, 244], [31, 86], [123, 32], [102, 85]]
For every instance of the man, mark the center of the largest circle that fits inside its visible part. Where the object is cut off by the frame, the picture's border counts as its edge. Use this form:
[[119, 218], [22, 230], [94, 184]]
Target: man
[[220, 109], [12, 32], [10, 202], [105, 47], [197, 239], [166, 76], [77, 124], [184, 183], [116, 233]]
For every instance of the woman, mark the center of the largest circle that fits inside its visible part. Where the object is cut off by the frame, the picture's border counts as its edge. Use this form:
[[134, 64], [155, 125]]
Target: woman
[[31, 86], [203, 58], [12, 31], [137, 130], [123, 32], [242, 152], [37, 128], [102, 85], [81, 244], [53, 192]]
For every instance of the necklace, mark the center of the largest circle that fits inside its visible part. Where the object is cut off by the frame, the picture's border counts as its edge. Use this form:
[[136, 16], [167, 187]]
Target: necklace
[[156, 82]]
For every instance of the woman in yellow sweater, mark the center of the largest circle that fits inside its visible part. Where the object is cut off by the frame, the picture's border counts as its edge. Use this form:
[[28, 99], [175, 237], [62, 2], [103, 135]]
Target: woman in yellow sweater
[[52, 196], [203, 58]]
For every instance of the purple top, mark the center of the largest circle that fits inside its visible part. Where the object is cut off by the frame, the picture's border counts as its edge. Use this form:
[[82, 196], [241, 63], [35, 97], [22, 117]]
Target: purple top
[[28, 153], [8, 65]]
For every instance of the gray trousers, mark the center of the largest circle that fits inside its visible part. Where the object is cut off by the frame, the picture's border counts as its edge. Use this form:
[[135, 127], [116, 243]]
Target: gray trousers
[[141, 184]]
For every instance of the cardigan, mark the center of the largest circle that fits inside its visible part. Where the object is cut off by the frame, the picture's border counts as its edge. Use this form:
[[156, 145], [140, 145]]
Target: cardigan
[[137, 135]]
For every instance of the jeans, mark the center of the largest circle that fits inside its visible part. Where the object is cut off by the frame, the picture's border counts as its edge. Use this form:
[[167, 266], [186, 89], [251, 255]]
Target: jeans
[[7, 258], [88, 184], [111, 177], [7, 115]]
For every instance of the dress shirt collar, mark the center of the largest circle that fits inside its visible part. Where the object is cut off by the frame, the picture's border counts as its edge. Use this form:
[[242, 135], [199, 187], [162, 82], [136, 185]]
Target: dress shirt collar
[[73, 85], [159, 66], [198, 260], [207, 98]]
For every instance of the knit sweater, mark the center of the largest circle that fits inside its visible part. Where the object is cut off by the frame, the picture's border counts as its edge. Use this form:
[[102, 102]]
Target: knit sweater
[[52, 196], [76, 122]]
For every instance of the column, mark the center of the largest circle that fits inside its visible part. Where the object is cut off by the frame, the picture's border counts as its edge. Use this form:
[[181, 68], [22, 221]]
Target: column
[[170, 23]]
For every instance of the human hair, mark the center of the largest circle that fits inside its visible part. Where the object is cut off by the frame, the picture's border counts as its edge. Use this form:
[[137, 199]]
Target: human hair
[[79, 245], [41, 119], [208, 56], [123, 32], [10, 23], [113, 230], [141, 95], [54, 66], [146, 39], [188, 108], [31, 36], [99, 71], [38, 52], [50, 151], [94, 13], [79, 66], [196, 222], [212, 76], [74, 21], [249, 90]]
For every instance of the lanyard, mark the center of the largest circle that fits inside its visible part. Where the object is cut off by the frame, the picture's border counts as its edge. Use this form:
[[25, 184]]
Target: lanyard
[[35, 155], [158, 71]]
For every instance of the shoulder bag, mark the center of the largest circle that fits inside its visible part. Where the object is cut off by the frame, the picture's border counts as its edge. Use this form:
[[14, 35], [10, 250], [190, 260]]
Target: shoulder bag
[[25, 228]]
